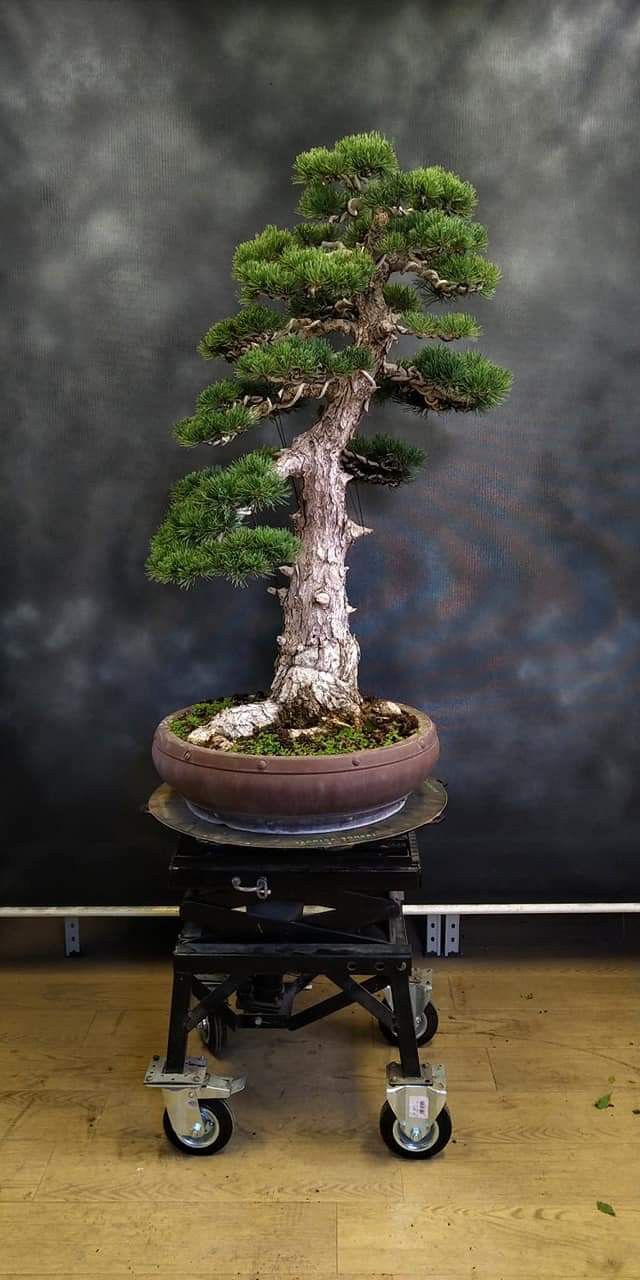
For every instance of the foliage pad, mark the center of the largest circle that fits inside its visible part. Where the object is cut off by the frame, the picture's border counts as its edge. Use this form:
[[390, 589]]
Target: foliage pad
[[365, 222]]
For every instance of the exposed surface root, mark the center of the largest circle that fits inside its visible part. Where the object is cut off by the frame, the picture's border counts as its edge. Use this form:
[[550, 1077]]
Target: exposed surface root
[[265, 728], [235, 722]]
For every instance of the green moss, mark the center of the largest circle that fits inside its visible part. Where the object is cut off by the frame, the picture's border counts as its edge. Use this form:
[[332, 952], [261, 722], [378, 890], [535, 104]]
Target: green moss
[[198, 714], [336, 741]]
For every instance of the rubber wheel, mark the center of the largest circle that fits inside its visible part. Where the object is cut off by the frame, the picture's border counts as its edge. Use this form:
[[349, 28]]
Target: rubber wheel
[[401, 1145], [214, 1033], [425, 1029], [217, 1117]]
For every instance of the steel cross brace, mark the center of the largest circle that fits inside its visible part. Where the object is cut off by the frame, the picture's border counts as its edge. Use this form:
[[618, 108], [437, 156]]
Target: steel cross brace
[[352, 993]]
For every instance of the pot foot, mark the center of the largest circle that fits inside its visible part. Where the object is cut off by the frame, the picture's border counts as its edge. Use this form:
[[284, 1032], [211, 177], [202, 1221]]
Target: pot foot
[[299, 824]]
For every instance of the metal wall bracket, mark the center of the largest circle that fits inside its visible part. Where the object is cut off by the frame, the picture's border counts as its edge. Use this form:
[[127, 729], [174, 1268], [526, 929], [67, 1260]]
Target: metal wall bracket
[[433, 943], [71, 936], [442, 934], [451, 935]]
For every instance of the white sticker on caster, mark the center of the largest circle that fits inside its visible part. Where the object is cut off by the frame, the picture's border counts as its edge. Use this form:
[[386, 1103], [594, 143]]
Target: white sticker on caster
[[418, 1108]]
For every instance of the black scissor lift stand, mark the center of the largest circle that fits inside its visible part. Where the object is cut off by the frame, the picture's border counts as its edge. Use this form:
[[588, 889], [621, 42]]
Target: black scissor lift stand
[[325, 910]]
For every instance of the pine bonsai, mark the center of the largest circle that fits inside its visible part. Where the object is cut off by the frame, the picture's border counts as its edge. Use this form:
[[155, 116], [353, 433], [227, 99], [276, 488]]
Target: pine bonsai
[[365, 220]]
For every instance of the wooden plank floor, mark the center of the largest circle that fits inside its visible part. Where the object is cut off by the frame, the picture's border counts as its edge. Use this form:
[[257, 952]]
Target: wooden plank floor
[[89, 1186]]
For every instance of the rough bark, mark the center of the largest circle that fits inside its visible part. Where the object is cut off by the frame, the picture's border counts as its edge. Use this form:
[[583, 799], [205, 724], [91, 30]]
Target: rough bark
[[235, 722], [317, 666], [316, 671]]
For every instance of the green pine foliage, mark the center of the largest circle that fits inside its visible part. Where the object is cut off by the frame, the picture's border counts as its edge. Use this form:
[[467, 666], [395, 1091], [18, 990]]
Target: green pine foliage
[[228, 337], [216, 426], [469, 270], [250, 481], [316, 233], [383, 459], [308, 276], [295, 360], [423, 324], [219, 415], [431, 188], [401, 297], [267, 246], [464, 381], [361, 155], [431, 234], [392, 244], [203, 534], [363, 218], [320, 201], [435, 232], [242, 554]]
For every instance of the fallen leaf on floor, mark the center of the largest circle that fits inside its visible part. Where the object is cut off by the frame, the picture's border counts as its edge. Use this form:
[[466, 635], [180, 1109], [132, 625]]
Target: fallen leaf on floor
[[603, 1102], [605, 1208]]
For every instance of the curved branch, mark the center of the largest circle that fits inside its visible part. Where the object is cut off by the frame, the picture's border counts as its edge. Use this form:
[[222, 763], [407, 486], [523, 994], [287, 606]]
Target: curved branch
[[420, 267], [306, 326], [411, 385]]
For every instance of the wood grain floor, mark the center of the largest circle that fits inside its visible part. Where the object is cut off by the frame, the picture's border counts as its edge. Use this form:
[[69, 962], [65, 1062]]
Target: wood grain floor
[[89, 1187]]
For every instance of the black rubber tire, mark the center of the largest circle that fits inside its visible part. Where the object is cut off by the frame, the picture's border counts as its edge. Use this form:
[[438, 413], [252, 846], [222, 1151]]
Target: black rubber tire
[[387, 1125], [431, 1014], [217, 1035], [224, 1116]]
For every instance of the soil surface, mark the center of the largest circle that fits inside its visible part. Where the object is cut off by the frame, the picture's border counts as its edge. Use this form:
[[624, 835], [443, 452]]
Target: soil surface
[[380, 724]]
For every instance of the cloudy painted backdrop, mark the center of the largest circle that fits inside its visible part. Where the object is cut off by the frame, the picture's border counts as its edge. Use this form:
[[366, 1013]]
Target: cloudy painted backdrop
[[142, 140]]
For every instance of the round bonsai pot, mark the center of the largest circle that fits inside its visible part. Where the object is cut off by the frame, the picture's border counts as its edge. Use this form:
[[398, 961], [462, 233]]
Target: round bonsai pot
[[293, 794]]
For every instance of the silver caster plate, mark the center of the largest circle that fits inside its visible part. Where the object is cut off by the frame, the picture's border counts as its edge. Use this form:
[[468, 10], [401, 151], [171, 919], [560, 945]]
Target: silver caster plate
[[197, 1119], [414, 1121]]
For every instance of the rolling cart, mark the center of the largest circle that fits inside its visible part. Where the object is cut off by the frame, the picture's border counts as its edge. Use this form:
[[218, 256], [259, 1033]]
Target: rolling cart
[[327, 905]]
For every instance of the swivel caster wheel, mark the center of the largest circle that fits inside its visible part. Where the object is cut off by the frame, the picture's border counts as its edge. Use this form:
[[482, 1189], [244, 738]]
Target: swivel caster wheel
[[216, 1121], [426, 1027], [214, 1034], [414, 1147]]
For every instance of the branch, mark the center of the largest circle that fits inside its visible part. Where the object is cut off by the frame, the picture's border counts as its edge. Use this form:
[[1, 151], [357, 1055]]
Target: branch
[[289, 463], [439, 284], [307, 327], [410, 382], [357, 530]]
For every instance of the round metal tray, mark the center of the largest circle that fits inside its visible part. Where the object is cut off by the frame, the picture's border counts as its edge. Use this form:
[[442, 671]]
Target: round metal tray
[[422, 807]]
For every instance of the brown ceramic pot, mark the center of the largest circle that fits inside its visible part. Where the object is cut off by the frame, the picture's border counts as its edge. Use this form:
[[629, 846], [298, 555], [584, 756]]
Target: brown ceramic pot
[[291, 794]]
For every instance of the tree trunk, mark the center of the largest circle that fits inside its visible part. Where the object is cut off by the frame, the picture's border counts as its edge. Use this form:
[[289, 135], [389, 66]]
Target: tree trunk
[[317, 666]]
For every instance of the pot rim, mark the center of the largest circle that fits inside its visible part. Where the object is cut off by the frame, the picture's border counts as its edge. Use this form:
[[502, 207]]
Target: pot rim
[[170, 744]]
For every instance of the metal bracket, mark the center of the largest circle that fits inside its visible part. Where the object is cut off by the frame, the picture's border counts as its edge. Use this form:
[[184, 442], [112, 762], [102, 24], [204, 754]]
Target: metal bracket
[[71, 936], [420, 992], [184, 1091], [416, 1102], [433, 945], [195, 1073], [451, 935], [442, 934], [260, 888]]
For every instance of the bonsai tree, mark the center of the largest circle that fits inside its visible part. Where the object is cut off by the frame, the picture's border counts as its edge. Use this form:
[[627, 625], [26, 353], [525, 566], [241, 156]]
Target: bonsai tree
[[339, 311]]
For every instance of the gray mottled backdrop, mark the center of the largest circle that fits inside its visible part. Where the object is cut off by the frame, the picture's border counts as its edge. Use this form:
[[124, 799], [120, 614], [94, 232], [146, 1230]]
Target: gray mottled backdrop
[[141, 141]]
